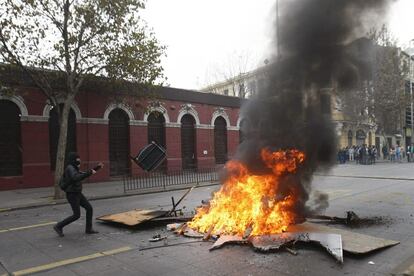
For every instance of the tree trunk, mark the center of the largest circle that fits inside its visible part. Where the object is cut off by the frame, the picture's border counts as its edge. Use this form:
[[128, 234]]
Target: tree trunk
[[61, 149]]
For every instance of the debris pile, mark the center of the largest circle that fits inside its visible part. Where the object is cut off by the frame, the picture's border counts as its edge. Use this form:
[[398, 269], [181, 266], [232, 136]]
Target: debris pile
[[334, 240]]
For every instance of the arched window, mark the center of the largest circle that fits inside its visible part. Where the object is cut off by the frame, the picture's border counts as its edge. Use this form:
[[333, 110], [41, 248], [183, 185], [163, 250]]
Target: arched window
[[54, 130], [220, 140], [188, 143], [350, 136], [10, 139], [156, 132], [119, 160], [360, 137]]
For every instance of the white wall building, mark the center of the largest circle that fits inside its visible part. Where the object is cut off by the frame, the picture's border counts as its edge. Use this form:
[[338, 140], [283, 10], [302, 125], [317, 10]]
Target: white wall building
[[243, 86]]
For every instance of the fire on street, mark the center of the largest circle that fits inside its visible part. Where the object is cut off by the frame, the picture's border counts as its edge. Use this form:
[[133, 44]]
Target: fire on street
[[388, 198]]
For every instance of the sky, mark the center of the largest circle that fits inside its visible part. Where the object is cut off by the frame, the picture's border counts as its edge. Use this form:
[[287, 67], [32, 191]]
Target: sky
[[205, 36]]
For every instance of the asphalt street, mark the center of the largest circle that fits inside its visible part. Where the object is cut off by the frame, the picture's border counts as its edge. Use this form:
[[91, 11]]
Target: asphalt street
[[28, 245]]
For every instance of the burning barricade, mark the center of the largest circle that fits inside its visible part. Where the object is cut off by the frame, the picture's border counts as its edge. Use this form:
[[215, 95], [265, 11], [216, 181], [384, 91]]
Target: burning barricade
[[260, 210], [253, 203]]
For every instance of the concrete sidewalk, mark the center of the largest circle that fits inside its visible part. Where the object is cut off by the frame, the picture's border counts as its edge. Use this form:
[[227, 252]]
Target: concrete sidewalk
[[27, 198], [37, 197], [380, 170]]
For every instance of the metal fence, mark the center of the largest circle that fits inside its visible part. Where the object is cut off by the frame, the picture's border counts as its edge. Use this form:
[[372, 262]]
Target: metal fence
[[165, 181]]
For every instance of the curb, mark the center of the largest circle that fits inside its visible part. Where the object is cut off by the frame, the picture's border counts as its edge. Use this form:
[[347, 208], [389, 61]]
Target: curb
[[368, 177], [93, 198]]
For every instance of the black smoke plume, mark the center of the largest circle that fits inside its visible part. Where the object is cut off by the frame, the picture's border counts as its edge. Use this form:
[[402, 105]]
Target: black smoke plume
[[292, 108]]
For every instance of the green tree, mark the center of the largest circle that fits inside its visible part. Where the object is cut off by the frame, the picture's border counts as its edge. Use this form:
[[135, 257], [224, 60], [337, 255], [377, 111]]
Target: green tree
[[388, 85], [379, 95], [74, 39]]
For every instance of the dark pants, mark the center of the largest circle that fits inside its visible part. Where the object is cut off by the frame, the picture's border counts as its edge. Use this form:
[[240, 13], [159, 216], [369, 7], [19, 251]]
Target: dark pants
[[76, 200]]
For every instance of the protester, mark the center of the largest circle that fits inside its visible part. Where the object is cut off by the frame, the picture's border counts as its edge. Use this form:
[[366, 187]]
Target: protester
[[73, 176]]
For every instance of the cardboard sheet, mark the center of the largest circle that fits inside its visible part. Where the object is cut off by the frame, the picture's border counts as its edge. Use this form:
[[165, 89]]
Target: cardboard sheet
[[335, 240], [352, 242], [133, 217], [331, 242]]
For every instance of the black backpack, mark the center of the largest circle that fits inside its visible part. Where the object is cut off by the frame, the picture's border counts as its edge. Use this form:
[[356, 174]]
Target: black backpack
[[64, 182]]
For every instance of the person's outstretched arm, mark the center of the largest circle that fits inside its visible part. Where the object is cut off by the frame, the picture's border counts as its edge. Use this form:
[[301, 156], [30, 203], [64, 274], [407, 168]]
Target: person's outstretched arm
[[75, 175]]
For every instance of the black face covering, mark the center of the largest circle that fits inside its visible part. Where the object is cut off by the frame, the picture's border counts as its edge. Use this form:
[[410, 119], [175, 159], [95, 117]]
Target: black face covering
[[71, 159]]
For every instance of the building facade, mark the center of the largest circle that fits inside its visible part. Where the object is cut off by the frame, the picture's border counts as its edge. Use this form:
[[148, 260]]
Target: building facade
[[351, 130], [198, 131], [243, 86]]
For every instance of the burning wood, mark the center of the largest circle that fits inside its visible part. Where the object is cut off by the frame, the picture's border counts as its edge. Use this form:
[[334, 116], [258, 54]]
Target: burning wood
[[250, 204], [180, 230], [251, 208], [207, 235], [248, 231]]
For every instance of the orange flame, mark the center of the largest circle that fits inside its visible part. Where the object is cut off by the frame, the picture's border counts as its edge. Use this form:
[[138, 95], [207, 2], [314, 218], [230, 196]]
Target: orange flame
[[247, 201]]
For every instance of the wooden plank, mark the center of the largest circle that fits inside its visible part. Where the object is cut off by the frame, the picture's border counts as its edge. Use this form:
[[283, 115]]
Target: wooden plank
[[207, 235], [179, 201], [188, 232], [173, 219], [133, 217], [351, 242]]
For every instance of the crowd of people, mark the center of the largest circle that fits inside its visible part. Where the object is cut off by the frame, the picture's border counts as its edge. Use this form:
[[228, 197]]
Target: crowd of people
[[367, 155], [362, 154]]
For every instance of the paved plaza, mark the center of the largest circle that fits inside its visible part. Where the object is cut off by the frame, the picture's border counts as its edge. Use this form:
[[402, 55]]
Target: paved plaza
[[28, 244]]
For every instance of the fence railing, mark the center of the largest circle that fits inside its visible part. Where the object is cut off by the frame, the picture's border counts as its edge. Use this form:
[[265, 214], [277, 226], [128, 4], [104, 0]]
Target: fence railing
[[167, 180]]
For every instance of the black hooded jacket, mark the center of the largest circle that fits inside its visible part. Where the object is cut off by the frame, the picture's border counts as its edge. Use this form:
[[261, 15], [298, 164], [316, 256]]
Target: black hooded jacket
[[73, 175]]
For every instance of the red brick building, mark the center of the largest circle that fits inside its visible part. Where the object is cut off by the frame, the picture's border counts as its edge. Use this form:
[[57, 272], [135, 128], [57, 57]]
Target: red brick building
[[199, 130]]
